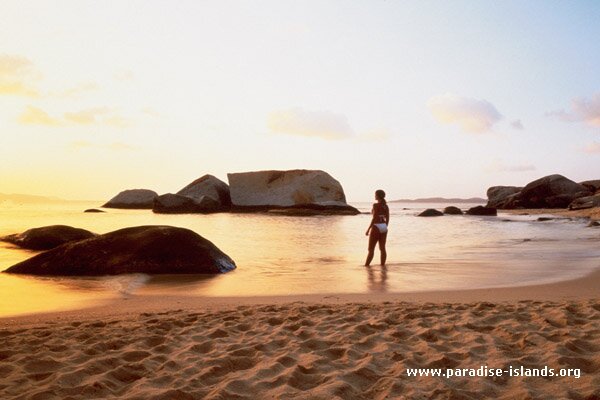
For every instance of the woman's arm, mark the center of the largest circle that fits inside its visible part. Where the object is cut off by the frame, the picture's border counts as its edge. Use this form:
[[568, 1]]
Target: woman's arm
[[372, 221]]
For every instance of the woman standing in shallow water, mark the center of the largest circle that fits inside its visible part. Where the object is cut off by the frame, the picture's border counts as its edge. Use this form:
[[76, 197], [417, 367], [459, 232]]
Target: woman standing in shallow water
[[377, 231]]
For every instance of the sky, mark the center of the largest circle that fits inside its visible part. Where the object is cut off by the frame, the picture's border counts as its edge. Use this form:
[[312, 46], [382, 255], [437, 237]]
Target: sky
[[419, 98]]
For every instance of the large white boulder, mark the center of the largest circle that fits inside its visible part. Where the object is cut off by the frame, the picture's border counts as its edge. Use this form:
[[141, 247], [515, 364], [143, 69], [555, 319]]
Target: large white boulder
[[298, 188]]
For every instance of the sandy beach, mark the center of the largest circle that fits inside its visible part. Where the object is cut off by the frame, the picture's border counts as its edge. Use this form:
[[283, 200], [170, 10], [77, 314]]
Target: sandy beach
[[324, 200], [312, 347]]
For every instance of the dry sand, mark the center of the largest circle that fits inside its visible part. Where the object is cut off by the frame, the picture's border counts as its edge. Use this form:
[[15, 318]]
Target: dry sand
[[351, 351], [318, 346]]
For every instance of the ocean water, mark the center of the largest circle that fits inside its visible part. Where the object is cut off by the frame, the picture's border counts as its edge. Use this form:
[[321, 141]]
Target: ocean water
[[281, 255]]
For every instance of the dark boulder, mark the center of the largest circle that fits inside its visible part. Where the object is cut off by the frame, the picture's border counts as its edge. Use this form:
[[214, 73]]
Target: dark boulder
[[176, 204], [47, 237], [141, 249], [93, 210], [593, 185], [451, 210], [211, 187], [505, 197], [553, 191], [480, 210], [430, 212], [133, 199], [585, 202]]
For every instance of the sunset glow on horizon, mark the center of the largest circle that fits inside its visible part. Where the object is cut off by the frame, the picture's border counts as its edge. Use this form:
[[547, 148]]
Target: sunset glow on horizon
[[421, 99]]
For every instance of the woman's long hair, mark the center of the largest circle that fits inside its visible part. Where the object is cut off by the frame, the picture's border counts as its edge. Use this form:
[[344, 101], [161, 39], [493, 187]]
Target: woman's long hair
[[380, 194]]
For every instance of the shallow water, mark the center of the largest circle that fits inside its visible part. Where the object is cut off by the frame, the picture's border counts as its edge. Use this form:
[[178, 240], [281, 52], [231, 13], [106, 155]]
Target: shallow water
[[297, 255]]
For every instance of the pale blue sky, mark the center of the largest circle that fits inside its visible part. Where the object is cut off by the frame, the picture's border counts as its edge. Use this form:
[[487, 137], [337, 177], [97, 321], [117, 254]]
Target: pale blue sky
[[381, 94]]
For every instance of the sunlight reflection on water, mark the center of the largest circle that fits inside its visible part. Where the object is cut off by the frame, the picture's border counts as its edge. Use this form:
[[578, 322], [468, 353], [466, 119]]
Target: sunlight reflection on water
[[293, 255]]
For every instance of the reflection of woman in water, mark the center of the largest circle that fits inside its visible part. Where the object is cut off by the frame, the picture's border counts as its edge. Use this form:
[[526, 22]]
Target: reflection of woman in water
[[377, 231], [377, 285]]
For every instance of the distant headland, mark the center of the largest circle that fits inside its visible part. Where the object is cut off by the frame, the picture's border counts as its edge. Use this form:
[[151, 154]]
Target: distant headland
[[441, 200]]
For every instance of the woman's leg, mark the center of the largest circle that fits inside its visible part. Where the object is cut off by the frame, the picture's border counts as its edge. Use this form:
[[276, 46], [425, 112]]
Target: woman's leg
[[382, 239], [373, 238]]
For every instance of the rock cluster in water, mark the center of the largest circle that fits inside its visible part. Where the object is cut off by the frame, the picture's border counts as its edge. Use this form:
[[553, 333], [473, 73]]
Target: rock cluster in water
[[292, 192], [552, 191], [141, 249], [452, 210]]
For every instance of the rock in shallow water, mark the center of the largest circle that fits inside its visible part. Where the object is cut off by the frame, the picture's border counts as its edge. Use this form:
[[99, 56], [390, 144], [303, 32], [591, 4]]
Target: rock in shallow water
[[210, 186], [451, 210], [480, 210], [133, 199], [47, 237], [503, 196], [141, 249], [430, 212], [177, 204], [544, 219]]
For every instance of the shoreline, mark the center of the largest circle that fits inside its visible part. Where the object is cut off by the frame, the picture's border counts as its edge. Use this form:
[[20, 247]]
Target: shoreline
[[584, 288], [593, 214]]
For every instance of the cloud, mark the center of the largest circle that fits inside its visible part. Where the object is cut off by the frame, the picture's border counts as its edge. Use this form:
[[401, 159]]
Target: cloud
[[92, 116], [77, 90], [36, 116], [517, 124], [500, 166], [117, 121], [582, 110], [97, 116], [299, 122], [472, 115], [86, 117], [151, 112], [124, 75], [375, 135], [115, 146], [16, 74], [592, 148]]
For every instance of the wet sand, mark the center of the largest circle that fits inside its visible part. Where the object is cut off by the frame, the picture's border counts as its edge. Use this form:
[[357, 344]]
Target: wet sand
[[315, 346], [591, 213]]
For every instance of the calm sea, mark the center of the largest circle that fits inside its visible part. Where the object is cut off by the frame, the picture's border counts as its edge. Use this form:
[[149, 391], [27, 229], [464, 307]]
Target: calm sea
[[294, 255]]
